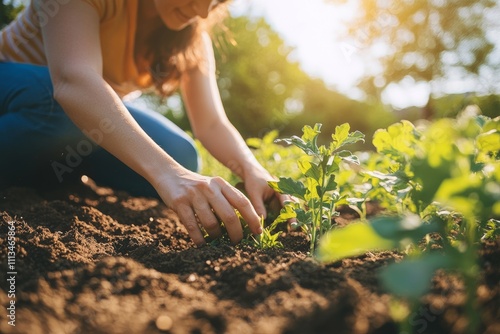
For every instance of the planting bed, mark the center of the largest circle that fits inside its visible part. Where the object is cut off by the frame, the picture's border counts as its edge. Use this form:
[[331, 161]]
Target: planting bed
[[91, 260]]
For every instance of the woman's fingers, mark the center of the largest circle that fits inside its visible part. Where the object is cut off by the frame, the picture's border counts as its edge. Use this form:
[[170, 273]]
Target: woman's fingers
[[207, 219], [206, 199], [258, 204], [231, 221], [187, 217], [244, 206]]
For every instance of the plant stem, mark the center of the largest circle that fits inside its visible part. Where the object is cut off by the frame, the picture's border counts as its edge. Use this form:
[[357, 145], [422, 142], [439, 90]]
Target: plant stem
[[470, 273], [313, 229]]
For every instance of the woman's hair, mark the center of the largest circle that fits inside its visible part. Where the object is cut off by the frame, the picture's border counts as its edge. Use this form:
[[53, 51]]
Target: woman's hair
[[172, 52]]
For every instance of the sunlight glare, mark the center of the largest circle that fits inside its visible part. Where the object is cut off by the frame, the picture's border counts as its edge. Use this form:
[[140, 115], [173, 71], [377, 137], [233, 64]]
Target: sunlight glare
[[314, 29]]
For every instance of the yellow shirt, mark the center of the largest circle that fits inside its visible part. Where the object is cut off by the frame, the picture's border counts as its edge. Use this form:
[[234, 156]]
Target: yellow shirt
[[21, 41]]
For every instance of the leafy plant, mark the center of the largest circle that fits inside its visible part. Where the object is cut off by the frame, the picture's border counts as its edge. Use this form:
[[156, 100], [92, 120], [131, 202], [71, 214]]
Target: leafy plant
[[316, 188], [445, 179]]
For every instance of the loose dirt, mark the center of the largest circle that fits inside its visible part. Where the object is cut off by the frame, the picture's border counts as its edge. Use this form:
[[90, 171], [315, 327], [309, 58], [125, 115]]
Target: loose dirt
[[91, 260]]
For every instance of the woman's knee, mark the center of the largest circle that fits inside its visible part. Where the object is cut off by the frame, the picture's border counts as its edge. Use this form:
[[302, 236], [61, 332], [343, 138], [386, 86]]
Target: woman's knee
[[26, 88], [187, 154]]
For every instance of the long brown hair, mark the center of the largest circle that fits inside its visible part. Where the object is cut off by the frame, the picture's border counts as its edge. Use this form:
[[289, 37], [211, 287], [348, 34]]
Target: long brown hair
[[173, 52]]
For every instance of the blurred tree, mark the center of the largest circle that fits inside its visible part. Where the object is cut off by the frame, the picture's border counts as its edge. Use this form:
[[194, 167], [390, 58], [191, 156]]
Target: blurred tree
[[451, 105], [261, 87], [263, 90], [422, 39], [8, 11], [330, 108]]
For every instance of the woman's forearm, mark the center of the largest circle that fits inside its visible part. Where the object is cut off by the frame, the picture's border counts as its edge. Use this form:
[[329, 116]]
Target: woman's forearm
[[225, 143], [89, 101]]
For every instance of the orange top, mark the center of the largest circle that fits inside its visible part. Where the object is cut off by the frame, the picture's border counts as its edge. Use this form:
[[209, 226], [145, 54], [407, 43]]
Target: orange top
[[21, 41]]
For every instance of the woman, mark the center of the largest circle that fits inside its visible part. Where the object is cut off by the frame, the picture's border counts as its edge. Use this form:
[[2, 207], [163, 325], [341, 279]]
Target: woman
[[96, 52]]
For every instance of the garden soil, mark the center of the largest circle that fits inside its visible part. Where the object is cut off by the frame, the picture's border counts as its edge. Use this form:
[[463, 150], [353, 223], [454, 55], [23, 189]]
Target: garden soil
[[93, 260]]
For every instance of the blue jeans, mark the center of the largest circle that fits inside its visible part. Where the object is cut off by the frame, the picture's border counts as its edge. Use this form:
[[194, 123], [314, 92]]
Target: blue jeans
[[39, 144]]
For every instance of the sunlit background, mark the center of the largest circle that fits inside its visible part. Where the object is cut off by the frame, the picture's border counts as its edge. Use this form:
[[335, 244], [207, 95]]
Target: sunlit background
[[317, 31], [366, 62]]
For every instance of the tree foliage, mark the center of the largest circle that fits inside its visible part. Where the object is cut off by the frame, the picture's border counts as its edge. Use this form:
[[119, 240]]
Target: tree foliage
[[263, 90], [259, 85], [422, 39], [8, 11], [330, 108]]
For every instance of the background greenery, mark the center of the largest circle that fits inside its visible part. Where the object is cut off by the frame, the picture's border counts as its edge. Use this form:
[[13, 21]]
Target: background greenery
[[263, 90]]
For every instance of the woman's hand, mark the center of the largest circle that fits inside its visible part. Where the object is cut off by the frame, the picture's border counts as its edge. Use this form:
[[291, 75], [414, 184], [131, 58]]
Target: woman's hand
[[200, 200], [260, 193]]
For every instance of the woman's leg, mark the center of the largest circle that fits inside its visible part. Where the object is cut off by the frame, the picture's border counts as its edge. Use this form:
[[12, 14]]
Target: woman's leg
[[34, 129], [39, 142]]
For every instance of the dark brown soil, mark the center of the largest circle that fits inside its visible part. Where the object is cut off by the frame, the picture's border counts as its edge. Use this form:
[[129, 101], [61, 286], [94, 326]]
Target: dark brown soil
[[90, 260]]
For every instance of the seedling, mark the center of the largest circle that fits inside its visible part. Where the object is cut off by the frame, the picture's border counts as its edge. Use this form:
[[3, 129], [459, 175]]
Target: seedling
[[267, 239], [316, 188]]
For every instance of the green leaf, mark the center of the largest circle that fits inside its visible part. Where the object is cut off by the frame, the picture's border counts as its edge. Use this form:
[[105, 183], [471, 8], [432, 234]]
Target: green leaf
[[492, 124], [469, 195], [349, 157], [390, 182], [340, 135], [410, 227], [331, 184], [430, 178], [353, 240], [303, 217], [308, 148], [489, 141], [286, 213], [351, 139], [398, 140], [309, 169], [312, 189], [381, 176], [412, 278], [355, 137], [332, 165], [491, 230], [288, 186], [310, 134]]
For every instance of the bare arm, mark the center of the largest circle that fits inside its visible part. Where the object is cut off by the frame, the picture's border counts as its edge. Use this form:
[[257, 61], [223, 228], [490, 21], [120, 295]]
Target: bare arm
[[74, 56], [212, 127], [73, 52]]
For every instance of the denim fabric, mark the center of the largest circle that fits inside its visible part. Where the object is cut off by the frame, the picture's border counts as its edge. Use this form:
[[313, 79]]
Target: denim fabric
[[39, 144]]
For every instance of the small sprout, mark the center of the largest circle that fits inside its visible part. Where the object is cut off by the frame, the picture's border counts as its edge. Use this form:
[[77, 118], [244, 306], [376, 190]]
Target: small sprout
[[267, 239]]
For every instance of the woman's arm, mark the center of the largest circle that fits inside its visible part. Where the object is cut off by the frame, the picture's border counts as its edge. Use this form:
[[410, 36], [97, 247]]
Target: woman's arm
[[73, 52], [212, 127]]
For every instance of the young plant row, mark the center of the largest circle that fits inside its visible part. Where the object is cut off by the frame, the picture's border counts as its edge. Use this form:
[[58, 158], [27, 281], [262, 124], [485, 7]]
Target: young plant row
[[438, 183]]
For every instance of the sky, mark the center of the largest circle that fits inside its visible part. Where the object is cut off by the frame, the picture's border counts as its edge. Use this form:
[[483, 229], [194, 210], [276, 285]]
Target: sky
[[316, 32], [313, 31]]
